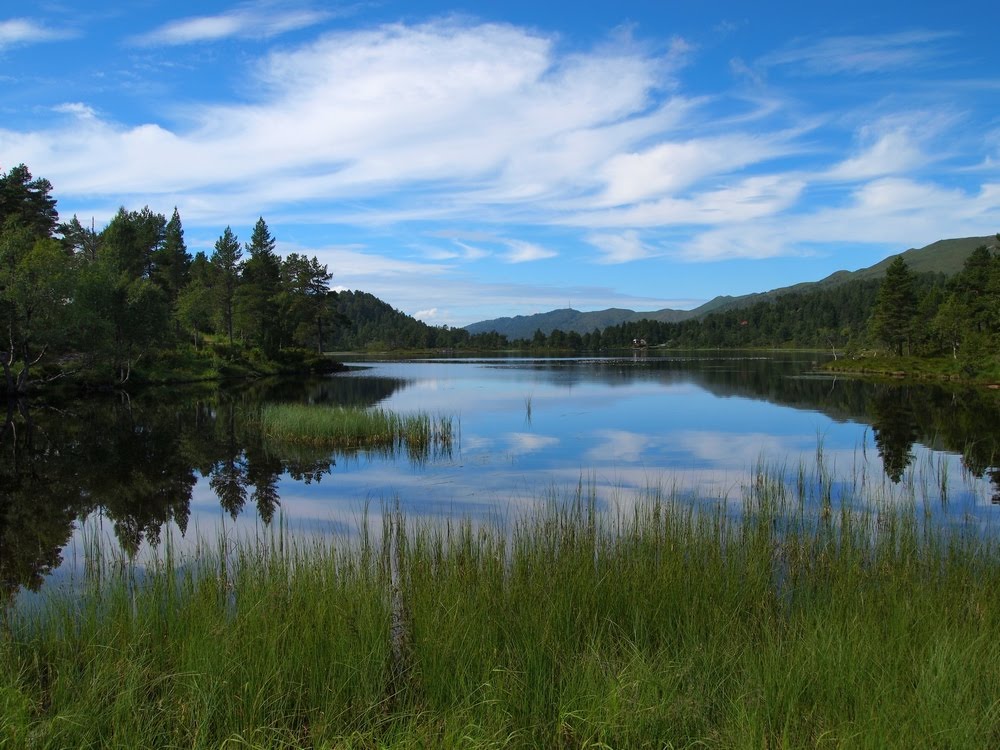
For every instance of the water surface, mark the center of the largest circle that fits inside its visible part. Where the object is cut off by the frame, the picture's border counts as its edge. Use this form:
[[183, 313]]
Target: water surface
[[186, 463]]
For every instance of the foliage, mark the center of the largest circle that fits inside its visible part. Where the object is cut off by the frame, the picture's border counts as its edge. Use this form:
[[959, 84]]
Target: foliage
[[25, 202], [35, 276], [100, 303]]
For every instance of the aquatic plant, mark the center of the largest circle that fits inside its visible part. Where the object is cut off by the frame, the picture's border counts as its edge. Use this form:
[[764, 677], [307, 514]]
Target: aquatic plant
[[352, 429]]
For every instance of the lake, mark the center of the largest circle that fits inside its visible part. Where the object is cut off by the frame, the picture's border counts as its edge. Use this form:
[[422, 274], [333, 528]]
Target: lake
[[129, 471]]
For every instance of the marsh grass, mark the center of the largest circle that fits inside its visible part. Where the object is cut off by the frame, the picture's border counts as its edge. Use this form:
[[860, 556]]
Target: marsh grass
[[354, 429], [660, 624]]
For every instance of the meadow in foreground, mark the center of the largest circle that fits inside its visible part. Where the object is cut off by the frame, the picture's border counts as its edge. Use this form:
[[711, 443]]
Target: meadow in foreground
[[768, 622]]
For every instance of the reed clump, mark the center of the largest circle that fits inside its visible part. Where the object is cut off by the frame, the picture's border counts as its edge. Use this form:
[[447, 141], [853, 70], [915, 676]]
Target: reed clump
[[757, 623], [353, 429]]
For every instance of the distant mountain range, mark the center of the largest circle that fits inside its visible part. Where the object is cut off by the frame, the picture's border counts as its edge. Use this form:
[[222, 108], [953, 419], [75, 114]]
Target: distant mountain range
[[944, 256]]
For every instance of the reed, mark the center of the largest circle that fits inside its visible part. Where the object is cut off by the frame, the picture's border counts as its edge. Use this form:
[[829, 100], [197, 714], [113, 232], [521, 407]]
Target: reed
[[352, 429], [768, 621]]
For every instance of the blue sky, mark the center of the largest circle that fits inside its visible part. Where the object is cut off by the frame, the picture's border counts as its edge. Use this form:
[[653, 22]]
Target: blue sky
[[465, 161]]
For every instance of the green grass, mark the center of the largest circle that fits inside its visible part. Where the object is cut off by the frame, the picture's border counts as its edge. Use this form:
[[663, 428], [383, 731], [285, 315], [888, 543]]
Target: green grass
[[918, 368], [754, 623], [351, 428]]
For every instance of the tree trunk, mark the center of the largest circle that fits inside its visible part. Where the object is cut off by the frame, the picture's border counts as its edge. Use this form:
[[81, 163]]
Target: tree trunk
[[8, 376]]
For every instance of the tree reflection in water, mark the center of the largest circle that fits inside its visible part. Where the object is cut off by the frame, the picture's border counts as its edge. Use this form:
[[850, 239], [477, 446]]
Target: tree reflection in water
[[137, 460]]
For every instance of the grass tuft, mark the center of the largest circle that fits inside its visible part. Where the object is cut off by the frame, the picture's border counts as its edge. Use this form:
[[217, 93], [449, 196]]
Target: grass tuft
[[352, 429]]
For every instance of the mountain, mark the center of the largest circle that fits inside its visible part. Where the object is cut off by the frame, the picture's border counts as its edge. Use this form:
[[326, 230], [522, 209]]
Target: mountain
[[944, 256], [568, 319]]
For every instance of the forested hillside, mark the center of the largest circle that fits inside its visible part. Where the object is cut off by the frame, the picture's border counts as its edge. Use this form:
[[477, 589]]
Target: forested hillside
[[366, 322], [903, 314], [944, 257]]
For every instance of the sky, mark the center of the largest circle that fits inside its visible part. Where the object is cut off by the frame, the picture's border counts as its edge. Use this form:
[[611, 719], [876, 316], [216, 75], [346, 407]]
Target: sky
[[465, 160]]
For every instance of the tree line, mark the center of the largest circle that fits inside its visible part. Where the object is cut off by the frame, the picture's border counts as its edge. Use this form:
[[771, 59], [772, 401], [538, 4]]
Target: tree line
[[74, 299]]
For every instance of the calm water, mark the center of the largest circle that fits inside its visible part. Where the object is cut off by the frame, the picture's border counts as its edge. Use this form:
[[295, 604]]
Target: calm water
[[186, 462]]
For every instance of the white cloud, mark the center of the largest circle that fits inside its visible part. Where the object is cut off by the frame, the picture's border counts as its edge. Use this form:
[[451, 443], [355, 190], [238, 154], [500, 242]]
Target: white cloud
[[18, 31], [673, 166], [76, 109], [442, 107], [620, 248], [248, 21], [860, 54], [891, 153], [525, 252], [749, 198], [894, 145], [891, 211], [471, 252]]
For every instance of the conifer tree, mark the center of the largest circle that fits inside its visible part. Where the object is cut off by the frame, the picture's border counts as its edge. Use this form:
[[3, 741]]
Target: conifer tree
[[172, 262], [256, 303], [228, 264], [895, 307]]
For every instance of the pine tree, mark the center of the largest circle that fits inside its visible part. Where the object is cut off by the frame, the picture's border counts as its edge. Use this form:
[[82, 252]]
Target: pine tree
[[25, 201], [227, 261], [257, 308], [172, 262], [895, 307]]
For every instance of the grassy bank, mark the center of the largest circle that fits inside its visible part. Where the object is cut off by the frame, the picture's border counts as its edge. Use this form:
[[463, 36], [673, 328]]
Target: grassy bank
[[917, 368], [655, 627], [348, 428]]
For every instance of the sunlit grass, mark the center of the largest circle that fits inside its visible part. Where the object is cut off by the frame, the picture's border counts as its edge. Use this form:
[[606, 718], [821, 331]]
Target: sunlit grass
[[766, 621]]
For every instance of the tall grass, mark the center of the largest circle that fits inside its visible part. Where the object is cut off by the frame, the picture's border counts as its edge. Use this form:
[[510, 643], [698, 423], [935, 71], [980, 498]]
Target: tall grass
[[353, 429], [662, 625]]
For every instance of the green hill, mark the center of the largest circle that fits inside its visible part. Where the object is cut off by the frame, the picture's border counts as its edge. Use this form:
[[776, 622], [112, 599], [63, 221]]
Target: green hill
[[568, 319], [944, 257]]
